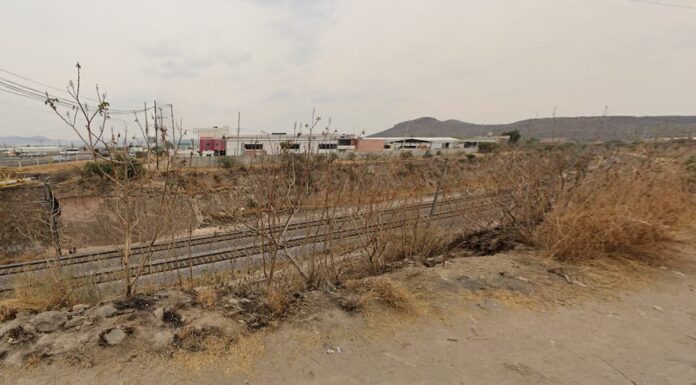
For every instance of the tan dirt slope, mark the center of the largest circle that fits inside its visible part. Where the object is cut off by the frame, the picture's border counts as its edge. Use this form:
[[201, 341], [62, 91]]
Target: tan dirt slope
[[492, 320]]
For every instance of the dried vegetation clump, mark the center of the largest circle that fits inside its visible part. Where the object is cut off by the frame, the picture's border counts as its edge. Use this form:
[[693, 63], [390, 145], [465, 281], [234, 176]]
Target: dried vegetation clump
[[627, 210], [383, 290]]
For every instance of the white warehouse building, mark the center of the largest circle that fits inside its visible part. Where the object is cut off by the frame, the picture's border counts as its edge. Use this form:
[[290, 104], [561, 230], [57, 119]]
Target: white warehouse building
[[277, 143], [420, 143]]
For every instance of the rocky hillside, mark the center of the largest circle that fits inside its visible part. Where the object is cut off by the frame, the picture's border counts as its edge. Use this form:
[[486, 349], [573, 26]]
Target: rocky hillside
[[580, 129]]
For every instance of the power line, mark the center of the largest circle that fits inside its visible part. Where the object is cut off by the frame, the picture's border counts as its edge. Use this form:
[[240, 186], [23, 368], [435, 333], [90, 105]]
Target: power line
[[30, 80], [41, 95], [663, 4]]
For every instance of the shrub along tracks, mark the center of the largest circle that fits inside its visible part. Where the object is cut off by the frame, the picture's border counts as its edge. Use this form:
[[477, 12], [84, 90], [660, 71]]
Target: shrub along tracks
[[105, 266]]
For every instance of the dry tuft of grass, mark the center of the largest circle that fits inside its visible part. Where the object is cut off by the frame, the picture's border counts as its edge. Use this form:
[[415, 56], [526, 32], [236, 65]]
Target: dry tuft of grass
[[43, 291], [207, 296], [283, 293], [624, 211], [233, 357], [383, 290]]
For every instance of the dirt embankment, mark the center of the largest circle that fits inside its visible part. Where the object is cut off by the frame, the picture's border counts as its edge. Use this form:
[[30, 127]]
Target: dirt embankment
[[510, 318], [23, 215]]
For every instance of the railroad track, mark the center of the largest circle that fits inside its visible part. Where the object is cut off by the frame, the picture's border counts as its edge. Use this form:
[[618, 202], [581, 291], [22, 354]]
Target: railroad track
[[114, 256], [178, 263]]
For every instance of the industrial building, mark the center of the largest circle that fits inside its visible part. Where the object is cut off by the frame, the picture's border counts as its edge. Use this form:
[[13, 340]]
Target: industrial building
[[277, 143], [420, 143], [222, 142]]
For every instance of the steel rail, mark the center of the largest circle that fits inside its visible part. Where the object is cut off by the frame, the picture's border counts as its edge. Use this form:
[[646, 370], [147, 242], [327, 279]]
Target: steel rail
[[43, 264]]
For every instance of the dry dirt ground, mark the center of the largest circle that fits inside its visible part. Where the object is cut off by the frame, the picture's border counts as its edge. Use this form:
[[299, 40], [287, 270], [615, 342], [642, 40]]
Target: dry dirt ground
[[502, 319]]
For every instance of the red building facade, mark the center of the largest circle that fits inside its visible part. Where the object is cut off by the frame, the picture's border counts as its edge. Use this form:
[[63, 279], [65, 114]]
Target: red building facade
[[213, 144]]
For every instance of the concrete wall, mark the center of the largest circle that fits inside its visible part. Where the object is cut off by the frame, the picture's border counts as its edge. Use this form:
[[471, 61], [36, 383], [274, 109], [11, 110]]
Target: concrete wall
[[369, 145]]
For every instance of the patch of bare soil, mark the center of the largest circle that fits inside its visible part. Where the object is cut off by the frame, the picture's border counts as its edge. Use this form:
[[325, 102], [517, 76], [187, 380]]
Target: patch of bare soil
[[510, 318]]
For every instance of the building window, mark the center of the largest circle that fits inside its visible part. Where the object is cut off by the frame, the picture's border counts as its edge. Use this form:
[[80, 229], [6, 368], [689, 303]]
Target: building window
[[345, 142], [327, 146], [253, 146]]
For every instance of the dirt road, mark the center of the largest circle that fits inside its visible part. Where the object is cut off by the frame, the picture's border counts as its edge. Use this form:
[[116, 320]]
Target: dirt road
[[494, 320]]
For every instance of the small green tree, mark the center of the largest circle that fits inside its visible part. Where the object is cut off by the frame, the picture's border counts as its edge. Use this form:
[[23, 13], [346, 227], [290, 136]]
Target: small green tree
[[514, 136]]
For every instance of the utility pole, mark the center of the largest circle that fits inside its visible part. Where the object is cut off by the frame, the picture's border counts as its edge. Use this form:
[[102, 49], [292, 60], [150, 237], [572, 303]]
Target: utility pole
[[238, 150], [439, 187], [147, 129], [171, 110], [156, 139], [162, 129]]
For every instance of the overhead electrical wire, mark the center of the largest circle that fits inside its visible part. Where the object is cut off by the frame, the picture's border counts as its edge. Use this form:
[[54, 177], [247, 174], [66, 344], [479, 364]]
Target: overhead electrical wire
[[663, 4], [26, 91]]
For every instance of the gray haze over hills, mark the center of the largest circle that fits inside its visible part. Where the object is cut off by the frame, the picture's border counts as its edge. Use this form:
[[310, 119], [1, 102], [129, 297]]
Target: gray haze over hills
[[579, 129]]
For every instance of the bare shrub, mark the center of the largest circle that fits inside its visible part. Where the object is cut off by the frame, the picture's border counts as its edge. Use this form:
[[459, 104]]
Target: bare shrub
[[525, 184], [625, 210], [44, 291]]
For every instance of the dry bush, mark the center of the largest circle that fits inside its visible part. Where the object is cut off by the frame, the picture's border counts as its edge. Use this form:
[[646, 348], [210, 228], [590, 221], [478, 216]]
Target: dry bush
[[282, 294], [528, 182], [418, 241], [44, 291], [383, 290], [624, 210]]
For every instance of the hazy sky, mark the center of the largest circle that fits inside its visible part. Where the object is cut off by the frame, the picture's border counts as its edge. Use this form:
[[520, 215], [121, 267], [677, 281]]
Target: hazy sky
[[367, 64]]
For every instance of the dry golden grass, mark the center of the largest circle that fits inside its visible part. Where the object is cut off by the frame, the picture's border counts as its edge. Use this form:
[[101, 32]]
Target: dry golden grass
[[207, 296], [53, 167], [383, 290], [625, 211], [42, 291], [279, 296], [234, 357]]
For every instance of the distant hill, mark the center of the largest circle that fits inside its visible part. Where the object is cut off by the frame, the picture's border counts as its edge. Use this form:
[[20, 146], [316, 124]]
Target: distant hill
[[579, 129], [12, 141]]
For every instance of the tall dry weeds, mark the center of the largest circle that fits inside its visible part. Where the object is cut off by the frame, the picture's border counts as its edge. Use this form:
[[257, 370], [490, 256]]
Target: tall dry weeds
[[623, 209]]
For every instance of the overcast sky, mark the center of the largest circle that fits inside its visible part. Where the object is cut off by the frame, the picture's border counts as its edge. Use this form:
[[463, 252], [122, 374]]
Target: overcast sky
[[367, 64]]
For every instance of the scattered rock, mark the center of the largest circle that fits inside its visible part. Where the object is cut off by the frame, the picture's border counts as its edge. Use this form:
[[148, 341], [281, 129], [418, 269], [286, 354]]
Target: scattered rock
[[159, 313], [112, 337], [162, 340], [472, 284], [489, 305], [234, 302], [76, 322], [49, 321], [173, 299], [79, 308], [105, 311]]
